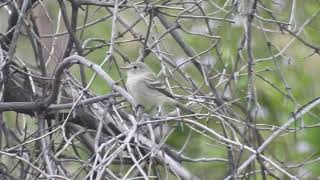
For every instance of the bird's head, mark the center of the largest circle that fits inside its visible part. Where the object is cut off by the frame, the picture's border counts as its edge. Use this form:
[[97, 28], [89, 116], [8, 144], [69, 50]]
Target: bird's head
[[136, 68]]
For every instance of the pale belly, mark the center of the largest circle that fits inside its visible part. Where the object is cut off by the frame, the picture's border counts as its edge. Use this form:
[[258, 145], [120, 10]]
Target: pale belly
[[143, 95]]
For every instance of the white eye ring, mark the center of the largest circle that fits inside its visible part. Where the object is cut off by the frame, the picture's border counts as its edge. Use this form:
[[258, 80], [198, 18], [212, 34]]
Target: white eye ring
[[135, 67]]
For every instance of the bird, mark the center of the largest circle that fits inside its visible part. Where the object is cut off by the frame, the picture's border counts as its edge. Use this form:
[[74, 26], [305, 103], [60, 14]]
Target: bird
[[147, 90]]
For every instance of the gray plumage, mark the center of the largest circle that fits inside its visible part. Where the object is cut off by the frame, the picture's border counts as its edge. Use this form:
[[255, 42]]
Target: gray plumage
[[146, 89]]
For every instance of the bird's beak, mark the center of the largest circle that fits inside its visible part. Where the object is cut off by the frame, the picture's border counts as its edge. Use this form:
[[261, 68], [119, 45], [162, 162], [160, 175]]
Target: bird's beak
[[125, 67]]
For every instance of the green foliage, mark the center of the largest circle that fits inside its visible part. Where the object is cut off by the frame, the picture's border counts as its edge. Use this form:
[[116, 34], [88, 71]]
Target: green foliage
[[285, 77]]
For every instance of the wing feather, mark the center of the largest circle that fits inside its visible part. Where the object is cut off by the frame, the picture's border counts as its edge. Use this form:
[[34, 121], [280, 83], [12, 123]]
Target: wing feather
[[158, 85]]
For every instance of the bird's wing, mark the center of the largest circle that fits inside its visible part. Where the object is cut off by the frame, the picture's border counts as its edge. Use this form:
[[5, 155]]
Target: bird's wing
[[153, 83]]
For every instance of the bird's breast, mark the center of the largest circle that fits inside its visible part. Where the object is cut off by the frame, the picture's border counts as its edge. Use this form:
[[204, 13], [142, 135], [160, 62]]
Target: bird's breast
[[141, 93]]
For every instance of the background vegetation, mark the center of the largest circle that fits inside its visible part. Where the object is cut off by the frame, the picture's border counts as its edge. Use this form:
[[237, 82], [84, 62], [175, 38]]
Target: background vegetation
[[249, 69]]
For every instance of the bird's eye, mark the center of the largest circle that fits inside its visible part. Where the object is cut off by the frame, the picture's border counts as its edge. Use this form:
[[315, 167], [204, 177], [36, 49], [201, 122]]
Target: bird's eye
[[135, 67]]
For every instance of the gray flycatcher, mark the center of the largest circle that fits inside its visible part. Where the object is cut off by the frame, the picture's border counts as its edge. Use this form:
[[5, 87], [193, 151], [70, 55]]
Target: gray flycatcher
[[146, 89]]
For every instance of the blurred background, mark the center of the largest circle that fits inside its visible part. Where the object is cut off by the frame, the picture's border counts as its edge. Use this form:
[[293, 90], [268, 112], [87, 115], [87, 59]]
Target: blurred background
[[253, 64]]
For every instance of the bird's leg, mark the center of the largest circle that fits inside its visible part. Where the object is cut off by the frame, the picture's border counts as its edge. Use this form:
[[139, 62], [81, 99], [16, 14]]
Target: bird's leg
[[137, 108], [159, 111]]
